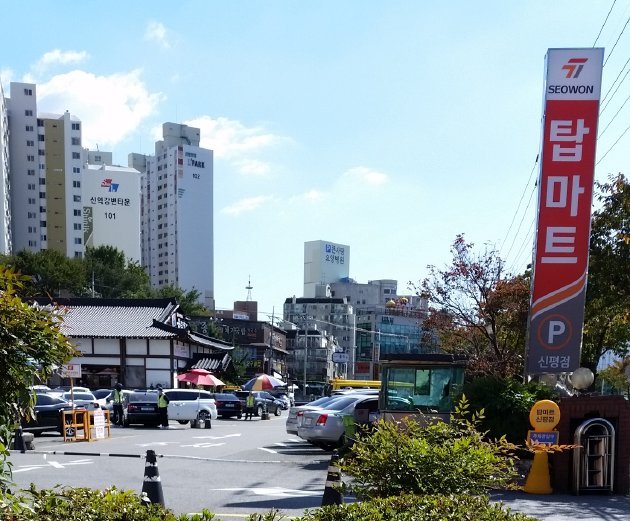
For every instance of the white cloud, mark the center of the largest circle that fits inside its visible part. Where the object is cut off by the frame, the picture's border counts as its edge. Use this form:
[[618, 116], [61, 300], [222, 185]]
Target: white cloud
[[253, 167], [248, 204], [6, 77], [57, 56], [366, 176], [156, 32], [230, 139], [110, 107]]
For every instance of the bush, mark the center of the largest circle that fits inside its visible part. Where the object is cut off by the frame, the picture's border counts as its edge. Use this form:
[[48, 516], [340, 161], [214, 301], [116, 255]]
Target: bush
[[84, 504], [440, 458], [506, 404], [417, 508]]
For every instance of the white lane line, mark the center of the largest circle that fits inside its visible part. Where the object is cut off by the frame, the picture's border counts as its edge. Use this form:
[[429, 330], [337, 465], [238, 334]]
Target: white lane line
[[216, 437], [268, 450], [274, 491]]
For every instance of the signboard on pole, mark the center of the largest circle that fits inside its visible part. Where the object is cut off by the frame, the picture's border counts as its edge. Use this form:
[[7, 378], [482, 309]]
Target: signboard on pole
[[99, 424], [565, 192], [71, 371]]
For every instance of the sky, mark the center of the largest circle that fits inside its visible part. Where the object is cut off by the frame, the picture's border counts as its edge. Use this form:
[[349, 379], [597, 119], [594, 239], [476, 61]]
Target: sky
[[389, 126]]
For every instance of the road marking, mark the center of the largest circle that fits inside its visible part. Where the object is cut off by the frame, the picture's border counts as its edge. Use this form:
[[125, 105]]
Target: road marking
[[216, 437], [274, 491], [268, 450], [54, 464], [203, 445], [159, 443]]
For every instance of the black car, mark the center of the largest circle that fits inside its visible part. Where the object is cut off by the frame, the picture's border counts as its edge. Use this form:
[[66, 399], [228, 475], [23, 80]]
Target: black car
[[228, 405], [48, 414], [261, 398], [140, 408]]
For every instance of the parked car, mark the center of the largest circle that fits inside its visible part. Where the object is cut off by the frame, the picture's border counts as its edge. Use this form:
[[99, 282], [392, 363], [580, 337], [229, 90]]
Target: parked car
[[140, 408], [297, 411], [326, 428], [82, 399], [228, 405], [282, 396], [261, 398], [190, 404], [48, 415]]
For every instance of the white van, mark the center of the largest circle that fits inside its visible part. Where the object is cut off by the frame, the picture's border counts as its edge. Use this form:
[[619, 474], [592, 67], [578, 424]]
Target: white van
[[190, 404]]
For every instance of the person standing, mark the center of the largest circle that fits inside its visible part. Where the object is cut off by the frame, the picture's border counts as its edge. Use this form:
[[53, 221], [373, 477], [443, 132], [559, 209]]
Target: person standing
[[249, 406], [163, 408], [117, 397]]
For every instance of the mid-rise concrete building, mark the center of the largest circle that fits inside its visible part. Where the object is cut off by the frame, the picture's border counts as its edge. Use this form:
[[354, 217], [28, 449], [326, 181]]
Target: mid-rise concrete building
[[46, 171], [177, 212], [325, 262], [5, 194]]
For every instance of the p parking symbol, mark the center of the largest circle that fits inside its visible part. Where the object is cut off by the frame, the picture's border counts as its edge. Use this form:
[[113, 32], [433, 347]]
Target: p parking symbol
[[554, 332]]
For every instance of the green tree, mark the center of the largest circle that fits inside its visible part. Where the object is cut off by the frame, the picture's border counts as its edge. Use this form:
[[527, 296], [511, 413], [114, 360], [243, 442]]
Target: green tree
[[607, 310], [110, 275], [188, 300], [31, 347], [51, 273], [477, 309]]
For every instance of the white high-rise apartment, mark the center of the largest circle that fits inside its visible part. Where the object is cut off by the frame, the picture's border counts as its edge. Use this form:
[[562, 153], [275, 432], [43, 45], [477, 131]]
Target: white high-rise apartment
[[5, 199], [45, 176], [325, 262], [177, 212]]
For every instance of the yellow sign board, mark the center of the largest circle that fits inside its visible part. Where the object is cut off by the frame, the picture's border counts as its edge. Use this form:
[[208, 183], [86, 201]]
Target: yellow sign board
[[545, 415]]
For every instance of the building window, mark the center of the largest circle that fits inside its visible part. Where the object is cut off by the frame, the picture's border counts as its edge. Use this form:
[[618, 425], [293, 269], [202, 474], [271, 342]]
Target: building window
[[77, 240], [76, 141], [30, 158], [30, 186], [41, 138], [40, 122], [77, 198], [43, 238], [30, 143], [76, 126], [76, 184], [97, 159], [78, 254], [42, 195], [28, 92], [76, 155], [29, 128], [30, 171], [31, 200], [77, 226], [77, 213], [76, 170], [28, 112], [42, 224], [41, 152]]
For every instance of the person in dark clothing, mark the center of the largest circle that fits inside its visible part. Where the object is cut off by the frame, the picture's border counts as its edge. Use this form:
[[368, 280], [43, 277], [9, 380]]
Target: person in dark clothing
[[117, 398], [163, 408]]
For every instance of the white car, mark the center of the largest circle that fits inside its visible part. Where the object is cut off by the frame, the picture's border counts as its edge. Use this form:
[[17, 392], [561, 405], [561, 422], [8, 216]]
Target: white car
[[190, 404]]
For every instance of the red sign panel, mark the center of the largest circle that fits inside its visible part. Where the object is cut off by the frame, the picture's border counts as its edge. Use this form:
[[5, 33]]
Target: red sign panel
[[564, 209]]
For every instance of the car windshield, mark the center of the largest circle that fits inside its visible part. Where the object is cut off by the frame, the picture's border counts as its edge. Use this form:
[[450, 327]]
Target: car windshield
[[226, 397], [143, 397], [102, 393], [341, 403], [321, 401]]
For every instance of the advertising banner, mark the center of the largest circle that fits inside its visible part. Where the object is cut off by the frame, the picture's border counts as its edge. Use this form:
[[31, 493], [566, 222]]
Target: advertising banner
[[565, 191]]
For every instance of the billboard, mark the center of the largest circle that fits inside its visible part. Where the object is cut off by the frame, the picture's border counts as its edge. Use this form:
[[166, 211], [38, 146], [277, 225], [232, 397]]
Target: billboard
[[565, 192]]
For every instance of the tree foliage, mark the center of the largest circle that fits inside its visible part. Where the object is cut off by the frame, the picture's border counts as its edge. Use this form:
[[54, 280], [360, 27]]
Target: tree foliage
[[478, 310], [188, 300], [31, 347], [113, 276], [607, 310]]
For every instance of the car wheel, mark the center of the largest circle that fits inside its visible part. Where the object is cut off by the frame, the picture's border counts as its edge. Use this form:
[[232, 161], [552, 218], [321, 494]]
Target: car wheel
[[182, 422], [239, 416], [259, 410], [278, 411]]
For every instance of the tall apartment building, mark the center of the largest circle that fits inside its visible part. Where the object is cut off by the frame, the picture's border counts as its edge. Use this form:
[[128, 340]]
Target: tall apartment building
[[324, 262], [177, 211], [5, 195], [45, 176], [111, 208]]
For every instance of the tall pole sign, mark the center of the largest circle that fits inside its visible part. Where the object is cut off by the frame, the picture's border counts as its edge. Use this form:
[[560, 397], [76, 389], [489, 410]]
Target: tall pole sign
[[565, 193]]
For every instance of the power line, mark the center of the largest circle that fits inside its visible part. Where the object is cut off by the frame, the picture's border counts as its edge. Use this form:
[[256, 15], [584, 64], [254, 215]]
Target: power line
[[519, 203], [602, 27], [613, 83], [528, 239], [521, 223], [613, 145], [618, 38], [613, 95], [613, 118]]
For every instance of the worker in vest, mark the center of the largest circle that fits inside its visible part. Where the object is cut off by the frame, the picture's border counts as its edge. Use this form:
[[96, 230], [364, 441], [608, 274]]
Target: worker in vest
[[249, 406], [162, 404], [117, 398]]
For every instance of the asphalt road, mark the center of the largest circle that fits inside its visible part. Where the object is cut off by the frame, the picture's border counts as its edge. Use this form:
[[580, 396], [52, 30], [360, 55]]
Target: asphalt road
[[236, 468]]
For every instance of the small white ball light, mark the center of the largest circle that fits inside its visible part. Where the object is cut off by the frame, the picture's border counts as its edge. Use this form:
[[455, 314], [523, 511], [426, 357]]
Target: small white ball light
[[582, 378]]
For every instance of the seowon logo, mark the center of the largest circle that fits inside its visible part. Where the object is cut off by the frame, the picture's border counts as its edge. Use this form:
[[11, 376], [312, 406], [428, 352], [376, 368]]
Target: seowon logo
[[574, 67]]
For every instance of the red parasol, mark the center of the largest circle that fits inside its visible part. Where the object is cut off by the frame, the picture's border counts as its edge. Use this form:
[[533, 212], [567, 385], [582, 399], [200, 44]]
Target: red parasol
[[200, 377]]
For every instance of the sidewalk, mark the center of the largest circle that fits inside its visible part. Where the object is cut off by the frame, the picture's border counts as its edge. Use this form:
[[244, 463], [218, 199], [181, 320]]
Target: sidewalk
[[564, 507]]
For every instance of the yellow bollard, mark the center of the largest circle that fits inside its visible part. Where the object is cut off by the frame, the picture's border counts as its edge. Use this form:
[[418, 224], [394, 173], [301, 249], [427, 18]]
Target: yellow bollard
[[538, 480]]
